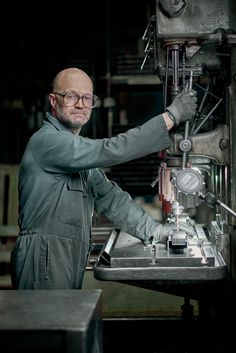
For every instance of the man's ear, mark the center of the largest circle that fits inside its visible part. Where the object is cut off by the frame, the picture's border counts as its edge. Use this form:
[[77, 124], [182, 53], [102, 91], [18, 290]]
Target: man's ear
[[52, 99]]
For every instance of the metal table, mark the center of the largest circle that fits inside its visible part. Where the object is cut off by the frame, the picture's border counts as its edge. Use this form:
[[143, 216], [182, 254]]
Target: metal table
[[189, 274], [50, 321]]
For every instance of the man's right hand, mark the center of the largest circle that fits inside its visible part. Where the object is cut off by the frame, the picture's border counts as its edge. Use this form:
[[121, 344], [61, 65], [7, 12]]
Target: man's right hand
[[164, 230], [183, 107]]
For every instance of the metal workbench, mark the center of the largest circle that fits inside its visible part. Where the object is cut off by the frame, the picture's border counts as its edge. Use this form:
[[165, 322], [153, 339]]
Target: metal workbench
[[50, 321], [190, 274]]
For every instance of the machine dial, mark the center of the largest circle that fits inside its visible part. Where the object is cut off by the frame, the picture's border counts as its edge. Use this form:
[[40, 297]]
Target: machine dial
[[188, 181]]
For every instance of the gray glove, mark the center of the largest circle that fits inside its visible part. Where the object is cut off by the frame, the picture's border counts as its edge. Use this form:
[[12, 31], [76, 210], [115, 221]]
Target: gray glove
[[183, 107], [163, 231]]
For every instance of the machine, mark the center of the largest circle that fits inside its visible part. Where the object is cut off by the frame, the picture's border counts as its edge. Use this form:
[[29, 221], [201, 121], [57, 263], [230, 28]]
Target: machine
[[192, 44]]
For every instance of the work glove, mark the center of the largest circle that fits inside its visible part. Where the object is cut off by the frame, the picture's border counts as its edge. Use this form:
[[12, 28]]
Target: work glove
[[162, 232], [183, 107]]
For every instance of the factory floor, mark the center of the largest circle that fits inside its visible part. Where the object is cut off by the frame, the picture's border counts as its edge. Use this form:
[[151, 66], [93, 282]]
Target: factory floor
[[166, 336], [139, 320]]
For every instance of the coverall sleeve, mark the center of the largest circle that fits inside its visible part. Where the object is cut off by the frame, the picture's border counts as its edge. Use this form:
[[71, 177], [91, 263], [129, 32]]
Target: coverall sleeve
[[118, 206], [62, 152]]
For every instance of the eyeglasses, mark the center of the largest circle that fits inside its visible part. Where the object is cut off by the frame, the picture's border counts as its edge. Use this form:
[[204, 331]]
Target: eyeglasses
[[71, 98]]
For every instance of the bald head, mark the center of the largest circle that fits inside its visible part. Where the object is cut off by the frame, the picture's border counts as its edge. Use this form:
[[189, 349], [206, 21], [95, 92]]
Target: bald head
[[75, 83], [72, 78]]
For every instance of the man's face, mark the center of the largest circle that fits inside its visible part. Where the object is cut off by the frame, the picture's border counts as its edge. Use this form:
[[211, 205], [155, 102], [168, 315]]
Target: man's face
[[70, 101]]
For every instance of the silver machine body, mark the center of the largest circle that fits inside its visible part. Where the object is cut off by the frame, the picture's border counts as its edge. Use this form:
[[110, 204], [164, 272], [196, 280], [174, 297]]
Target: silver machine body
[[194, 47], [192, 44]]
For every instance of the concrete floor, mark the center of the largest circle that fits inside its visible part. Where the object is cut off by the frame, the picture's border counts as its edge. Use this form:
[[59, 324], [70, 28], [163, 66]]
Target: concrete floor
[[145, 321], [166, 336], [127, 301]]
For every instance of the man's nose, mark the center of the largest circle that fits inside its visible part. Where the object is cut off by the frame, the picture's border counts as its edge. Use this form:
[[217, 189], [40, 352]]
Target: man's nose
[[80, 102]]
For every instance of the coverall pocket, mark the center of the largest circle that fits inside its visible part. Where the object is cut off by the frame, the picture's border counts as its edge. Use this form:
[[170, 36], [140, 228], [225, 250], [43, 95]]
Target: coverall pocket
[[55, 261], [15, 268], [21, 255], [71, 204]]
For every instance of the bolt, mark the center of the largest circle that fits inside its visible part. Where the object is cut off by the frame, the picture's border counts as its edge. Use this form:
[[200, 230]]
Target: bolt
[[223, 144]]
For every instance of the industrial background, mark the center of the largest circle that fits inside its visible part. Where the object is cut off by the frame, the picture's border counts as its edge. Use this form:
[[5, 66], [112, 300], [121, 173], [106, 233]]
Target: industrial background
[[139, 56]]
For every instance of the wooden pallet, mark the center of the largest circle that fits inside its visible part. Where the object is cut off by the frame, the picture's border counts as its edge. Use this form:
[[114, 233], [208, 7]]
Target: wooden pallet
[[8, 218]]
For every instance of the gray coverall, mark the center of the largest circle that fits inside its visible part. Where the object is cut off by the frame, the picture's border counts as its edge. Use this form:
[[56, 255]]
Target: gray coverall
[[60, 186]]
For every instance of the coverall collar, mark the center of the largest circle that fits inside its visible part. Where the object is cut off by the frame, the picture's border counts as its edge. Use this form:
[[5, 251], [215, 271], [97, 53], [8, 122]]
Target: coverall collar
[[55, 122]]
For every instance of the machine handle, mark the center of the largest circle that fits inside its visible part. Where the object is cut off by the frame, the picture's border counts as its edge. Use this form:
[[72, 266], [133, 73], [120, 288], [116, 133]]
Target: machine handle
[[211, 201]]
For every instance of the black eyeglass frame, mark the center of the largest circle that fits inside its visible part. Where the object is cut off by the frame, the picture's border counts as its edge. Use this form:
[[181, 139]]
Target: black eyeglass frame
[[95, 98]]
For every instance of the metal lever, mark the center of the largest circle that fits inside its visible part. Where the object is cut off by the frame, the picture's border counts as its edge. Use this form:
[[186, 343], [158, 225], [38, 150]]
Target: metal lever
[[145, 58], [207, 117], [149, 37], [185, 144], [150, 23], [211, 201]]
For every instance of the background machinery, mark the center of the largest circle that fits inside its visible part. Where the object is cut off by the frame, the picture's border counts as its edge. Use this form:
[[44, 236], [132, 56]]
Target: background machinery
[[192, 44]]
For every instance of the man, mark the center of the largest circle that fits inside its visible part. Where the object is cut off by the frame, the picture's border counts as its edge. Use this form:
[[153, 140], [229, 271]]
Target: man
[[61, 183]]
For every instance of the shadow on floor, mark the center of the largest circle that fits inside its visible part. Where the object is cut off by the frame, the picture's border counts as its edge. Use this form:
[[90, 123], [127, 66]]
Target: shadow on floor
[[166, 336]]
